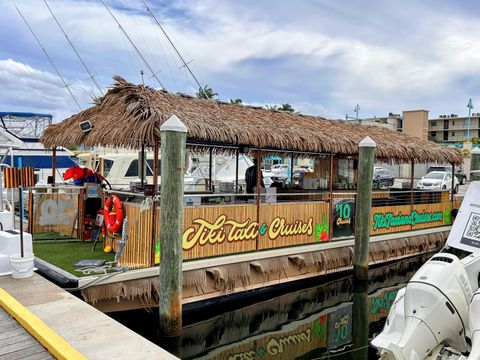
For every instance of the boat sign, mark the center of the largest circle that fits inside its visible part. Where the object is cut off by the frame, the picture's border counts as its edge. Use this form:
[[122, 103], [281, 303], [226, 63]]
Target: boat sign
[[465, 233]]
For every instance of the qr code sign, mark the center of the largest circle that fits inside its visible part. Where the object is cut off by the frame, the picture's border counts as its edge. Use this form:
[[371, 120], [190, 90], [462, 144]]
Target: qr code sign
[[471, 234], [472, 230]]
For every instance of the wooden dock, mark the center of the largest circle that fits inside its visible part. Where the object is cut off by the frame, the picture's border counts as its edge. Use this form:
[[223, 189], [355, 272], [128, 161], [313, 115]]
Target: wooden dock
[[17, 343]]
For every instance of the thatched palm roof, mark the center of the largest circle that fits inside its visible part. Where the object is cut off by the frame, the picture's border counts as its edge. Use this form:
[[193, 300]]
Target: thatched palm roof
[[129, 115]]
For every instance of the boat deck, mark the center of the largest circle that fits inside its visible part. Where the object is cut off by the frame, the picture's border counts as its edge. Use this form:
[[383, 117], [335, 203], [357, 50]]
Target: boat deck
[[17, 343]]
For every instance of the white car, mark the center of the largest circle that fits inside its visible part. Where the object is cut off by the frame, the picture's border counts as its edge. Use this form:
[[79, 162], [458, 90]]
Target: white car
[[438, 180], [280, 172]]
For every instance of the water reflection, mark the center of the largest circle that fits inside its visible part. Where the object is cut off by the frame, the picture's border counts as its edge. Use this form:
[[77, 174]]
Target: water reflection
[[334, 320]]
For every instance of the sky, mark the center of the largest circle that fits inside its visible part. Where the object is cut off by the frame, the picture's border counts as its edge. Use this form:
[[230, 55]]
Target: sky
[[323, 57]]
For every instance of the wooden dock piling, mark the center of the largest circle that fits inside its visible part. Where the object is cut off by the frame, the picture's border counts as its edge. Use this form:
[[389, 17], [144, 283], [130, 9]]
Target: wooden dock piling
[[173, 140], [363, 206]]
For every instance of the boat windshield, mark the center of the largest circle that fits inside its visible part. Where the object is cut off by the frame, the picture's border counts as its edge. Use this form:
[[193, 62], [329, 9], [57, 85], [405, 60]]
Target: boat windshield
[[107, 166]]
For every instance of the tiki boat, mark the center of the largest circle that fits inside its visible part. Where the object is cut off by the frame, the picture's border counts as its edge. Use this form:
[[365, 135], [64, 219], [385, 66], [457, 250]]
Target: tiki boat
[[235, 242]]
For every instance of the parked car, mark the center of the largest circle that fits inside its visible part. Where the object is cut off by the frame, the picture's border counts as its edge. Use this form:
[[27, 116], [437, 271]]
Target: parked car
[[382, 177], [438, 180], [280, 172], [459, 174]]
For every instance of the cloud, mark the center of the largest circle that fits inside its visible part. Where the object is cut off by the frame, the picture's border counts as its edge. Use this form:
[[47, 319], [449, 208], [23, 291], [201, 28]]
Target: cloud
[[28, 89], [320, 56]]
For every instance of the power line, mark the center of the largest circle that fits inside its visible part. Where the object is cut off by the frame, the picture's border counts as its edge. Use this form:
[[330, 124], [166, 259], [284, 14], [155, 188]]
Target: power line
[[49, 58], [185, 64], [133, 44], [91, 76]]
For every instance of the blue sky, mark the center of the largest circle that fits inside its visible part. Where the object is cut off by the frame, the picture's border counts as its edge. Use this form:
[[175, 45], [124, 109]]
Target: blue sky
[[321, 56]]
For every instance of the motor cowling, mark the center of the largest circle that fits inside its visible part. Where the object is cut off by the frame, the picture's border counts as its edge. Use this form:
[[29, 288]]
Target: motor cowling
[[436, 303]]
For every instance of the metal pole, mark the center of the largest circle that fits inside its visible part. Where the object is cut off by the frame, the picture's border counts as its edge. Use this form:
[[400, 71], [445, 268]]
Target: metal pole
[[470, 107], [173, 140], [20, 204], [366, 157]]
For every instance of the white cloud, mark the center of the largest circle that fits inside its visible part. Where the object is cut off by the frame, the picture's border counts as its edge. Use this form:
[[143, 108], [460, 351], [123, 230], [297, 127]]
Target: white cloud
[[323, 58], [27, 89]]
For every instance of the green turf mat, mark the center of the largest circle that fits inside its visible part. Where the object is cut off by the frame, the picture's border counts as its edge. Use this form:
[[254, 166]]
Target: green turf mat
[[64, 254]]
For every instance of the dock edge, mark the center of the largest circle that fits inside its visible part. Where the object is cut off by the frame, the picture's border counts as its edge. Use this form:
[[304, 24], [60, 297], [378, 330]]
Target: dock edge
[[53, 342]]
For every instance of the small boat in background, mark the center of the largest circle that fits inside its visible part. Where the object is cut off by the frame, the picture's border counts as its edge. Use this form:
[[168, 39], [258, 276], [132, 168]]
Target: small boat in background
[[20, 145]]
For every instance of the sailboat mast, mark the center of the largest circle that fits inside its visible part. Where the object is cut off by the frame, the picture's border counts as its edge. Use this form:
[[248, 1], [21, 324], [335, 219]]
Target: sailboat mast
[[49, 58], [73, 48], [185, 64]]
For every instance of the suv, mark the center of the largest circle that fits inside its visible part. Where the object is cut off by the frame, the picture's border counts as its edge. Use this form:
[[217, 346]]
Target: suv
[[382, 177], [459, 174]]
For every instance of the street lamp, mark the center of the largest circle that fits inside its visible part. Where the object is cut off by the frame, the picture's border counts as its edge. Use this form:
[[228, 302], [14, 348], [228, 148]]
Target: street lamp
[[357, 108], [470, 107]]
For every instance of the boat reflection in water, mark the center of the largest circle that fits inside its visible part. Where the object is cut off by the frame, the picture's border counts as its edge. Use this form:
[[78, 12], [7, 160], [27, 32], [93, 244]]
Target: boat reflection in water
[[331, 320]]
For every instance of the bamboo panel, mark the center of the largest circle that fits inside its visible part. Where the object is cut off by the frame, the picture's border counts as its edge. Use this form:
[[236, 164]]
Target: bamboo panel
[[305, 221], [219, 230], [55, 213], [137, 252], [16, 177], [199, 223]]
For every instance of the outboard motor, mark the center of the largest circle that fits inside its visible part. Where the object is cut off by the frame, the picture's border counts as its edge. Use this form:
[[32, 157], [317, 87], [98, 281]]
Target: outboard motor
[[432, 311]]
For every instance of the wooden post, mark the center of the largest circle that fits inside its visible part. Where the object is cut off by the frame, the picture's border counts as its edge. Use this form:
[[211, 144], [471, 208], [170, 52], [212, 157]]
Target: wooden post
[[259, 182], [360, 320], [154, 203], [173, 140], [142, 166], [291, 170], [412, 182], [236, 171], [366, 157], [54, 164], [330, 210], [453, 183], [210, 161]]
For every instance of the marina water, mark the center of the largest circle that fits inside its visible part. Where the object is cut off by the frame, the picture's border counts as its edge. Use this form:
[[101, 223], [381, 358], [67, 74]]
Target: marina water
[[324, 318]]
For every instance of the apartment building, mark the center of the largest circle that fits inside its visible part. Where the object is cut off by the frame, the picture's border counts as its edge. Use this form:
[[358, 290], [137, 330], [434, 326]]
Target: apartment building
[[453, 129]]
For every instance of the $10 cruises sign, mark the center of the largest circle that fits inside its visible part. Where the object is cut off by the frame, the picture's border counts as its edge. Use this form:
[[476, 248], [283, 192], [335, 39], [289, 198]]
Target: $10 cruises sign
[[223, 229]]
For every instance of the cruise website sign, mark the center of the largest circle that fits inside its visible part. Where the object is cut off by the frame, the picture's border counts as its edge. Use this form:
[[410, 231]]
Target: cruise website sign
[[465, 233]]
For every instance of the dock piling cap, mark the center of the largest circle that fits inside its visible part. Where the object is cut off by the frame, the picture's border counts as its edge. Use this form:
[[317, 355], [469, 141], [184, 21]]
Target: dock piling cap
[[367, 142], [173, 124]]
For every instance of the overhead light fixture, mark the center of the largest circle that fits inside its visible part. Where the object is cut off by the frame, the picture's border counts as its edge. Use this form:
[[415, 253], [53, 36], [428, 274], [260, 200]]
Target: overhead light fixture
[[86, 126]]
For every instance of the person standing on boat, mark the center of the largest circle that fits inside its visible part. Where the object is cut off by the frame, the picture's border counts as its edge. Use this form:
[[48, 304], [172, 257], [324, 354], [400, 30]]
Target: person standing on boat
[[251, 177]]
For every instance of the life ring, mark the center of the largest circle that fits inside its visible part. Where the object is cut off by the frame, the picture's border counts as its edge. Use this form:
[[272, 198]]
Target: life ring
[[113, 215]]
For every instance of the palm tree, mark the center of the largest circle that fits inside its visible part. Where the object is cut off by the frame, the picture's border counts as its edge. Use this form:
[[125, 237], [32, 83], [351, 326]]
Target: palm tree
[[286, 108], [206, 93], [236, 101], [272, 107]]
